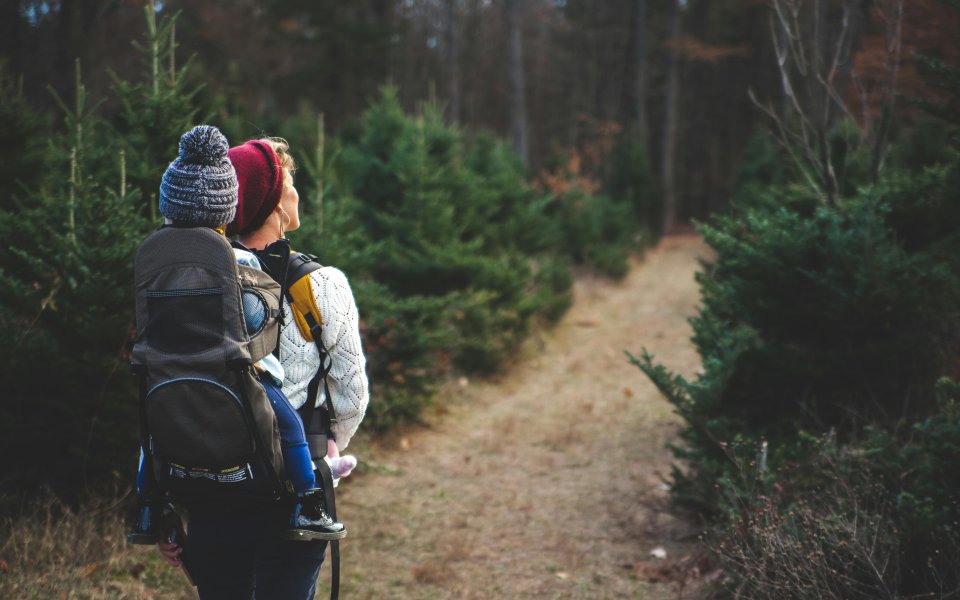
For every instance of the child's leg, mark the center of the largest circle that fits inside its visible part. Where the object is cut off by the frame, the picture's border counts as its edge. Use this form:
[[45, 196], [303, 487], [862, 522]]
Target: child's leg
[[309, 519], [293, 441]]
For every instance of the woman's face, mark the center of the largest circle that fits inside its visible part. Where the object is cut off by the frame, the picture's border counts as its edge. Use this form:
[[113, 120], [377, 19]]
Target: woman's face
[[290, 203]]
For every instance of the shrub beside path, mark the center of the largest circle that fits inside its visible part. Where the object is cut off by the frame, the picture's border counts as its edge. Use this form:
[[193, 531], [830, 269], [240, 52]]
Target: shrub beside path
[[545, 482]]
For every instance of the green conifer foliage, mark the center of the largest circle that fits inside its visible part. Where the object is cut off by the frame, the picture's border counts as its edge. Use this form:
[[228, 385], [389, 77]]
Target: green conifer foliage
[[598, 231], [629, 181], [155, 112], [20, 127], [66, 268], [448, 248], [817, 318], [65, 309]]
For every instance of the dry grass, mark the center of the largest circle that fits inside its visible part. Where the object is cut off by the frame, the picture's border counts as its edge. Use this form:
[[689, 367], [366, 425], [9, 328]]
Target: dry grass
[[434, 573], [810, 553], [51, 551]]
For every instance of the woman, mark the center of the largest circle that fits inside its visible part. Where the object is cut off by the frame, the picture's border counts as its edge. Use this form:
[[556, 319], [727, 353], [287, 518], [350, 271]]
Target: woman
[[234, 552]]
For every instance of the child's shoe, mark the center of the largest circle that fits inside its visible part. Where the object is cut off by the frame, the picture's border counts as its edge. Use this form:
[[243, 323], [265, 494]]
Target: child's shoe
[[310, 521], [144, 529]]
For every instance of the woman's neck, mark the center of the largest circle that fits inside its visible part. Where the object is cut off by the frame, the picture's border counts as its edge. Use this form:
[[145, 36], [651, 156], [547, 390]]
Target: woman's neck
[[265, 235], [258, 240]]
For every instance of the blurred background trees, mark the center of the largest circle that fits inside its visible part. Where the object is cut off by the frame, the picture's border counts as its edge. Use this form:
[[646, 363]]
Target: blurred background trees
[[561, 75], [459, 158], [566, 76]]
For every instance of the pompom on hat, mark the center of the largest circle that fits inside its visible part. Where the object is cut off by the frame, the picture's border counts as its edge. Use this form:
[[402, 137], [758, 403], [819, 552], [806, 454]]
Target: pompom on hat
[[200, 186], [260, 175]]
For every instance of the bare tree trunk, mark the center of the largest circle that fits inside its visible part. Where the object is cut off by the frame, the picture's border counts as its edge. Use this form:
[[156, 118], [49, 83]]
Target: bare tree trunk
[[318, 160], [892, 16], [640, 85], [814, 43], [668, 166], [407, 71], [518, 110], [820, 99], [453, 64], [715, 178]]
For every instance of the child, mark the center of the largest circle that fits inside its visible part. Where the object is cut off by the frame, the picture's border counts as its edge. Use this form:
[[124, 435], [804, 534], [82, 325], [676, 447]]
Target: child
[[199, 189]]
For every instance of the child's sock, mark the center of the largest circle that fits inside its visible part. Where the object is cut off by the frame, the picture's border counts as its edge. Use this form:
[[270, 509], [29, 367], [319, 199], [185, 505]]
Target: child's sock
[[342, 466]]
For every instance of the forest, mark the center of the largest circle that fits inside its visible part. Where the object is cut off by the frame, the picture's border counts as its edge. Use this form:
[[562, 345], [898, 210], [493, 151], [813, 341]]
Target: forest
[[466, 163]]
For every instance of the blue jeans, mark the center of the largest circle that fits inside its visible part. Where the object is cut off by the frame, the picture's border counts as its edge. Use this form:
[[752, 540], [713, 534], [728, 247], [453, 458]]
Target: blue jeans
[[237, 554]]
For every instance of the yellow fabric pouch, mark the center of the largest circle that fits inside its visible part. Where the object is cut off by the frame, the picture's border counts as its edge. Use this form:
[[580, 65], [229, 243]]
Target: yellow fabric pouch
[[303, 305]]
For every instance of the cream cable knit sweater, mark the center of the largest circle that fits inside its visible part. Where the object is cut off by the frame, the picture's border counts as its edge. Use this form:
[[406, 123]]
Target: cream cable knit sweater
[[341, 338]]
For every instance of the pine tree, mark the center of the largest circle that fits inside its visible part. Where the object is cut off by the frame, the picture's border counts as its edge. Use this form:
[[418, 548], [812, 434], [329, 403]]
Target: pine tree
[[21, 128], [446, 247], [155, 112], [66, 310], [66, 300]]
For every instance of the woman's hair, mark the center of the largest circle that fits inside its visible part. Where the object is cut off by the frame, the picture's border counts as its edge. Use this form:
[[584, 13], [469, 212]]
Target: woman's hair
[[282, 148]]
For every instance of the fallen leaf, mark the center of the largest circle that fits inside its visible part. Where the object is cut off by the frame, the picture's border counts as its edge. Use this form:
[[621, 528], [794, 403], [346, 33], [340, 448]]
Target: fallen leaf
[[657, 572], [628, 392]]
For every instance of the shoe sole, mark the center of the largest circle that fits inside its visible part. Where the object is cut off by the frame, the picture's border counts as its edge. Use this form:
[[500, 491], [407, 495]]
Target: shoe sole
[[305, 535]]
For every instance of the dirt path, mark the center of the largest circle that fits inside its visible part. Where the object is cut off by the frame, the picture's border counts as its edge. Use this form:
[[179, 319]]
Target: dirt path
[[532, 486]]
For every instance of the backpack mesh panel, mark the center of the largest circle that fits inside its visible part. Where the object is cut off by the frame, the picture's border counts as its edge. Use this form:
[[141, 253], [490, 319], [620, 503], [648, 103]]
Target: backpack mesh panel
[[187, 321]]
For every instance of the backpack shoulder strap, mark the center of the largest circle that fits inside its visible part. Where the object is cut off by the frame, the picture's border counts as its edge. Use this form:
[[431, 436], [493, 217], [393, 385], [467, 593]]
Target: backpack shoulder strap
[[291, 270], [306, 314]]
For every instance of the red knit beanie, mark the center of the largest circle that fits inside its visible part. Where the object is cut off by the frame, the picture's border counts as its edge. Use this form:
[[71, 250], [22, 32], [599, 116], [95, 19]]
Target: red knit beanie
[[261, 183]]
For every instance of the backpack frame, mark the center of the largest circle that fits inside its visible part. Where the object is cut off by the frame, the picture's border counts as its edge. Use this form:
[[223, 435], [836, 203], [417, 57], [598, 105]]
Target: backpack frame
[[206, 423]]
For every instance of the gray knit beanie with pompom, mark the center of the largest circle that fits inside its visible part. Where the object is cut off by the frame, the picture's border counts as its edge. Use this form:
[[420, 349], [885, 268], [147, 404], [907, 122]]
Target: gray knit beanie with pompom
[[200, 186]]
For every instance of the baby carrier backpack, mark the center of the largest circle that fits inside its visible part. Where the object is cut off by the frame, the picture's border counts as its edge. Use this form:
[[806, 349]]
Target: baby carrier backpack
[[207, 426]]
